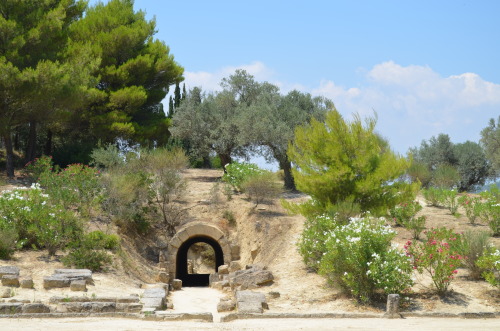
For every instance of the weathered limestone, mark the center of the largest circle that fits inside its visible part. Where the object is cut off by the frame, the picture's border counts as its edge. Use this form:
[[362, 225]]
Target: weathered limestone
[[251, 302], [35, 308], [223, 269], [7, 293], [392, 310], [10, 280], [78, 285], [7, 308], [86, 307], [27, 282], [225, 305], [154, 298], [64, 278], [163, 277], [177, 284], [250, 278], [9, 270], [234, 266]]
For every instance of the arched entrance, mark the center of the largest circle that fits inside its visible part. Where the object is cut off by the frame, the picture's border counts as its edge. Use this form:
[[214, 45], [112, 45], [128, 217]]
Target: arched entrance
[[196, 279], [191, 234]]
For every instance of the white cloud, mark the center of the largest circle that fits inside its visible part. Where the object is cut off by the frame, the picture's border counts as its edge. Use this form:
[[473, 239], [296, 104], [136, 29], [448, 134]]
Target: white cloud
[[412, 102]]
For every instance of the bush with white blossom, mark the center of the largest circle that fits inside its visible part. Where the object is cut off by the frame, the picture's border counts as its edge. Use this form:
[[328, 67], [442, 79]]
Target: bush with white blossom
[[357, 256]]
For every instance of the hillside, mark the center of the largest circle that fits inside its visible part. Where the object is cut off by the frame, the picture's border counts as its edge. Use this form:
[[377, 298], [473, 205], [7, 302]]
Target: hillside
[[267, 235]]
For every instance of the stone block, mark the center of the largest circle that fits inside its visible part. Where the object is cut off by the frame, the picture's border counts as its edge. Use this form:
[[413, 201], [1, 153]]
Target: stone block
[[86, 307], [226, 305], [130, 299], [10, 280], [163, 277], [7, 293], [212, 278], [55, 281], [76, 274], [35, 308], [392, 310], [156, 303], [250, 302], [223, 269], [78, 285], [177, 284], [250, 307], [9, 308], [234, 266], [9, 270], [155, 292], [27, 282]]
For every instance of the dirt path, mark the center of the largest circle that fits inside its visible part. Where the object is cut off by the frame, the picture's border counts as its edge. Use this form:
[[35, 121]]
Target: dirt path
[[196, 300], [110, 324]]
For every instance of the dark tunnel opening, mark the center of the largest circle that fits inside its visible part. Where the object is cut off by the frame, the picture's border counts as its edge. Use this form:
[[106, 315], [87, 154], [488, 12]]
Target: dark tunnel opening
[[192, 280]]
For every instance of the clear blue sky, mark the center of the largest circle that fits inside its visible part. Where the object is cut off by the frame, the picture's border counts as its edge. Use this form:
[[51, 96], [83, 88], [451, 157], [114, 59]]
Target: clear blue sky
[[425, 67]]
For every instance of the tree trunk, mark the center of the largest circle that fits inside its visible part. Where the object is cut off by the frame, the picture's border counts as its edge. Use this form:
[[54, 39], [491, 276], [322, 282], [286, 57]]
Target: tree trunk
[[16, 140], [9, 155], [206, 162], [286, 166], [225, 159], [31, 147], [48, 144]]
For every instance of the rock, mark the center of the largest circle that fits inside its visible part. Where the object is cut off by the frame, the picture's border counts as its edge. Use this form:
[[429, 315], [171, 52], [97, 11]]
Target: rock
[[9, 270], [212, 278], [250, 278], [76, 274], [10, 280], [254, 252], [274, 294], [163, 277], [224, 306], [223, 269], [130, 299], [250, 302], [27, 283], [86, 307], [234, 266], [154, 298], [10, 308], [392, 310], [8, 293], [78, 285], [55, 281], [35, 308], [177, 284]]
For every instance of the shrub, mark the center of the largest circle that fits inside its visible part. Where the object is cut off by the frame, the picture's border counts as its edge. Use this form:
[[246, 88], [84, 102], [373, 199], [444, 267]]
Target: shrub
[[450, 200], [34, 169], [419, 171], [8, 240], [490, 263], [261, 187], [473, 247], [359, 258], [404, 212], [99, 239], [472, 206], [445, 176], [87, 258], [313, 239], [37, 221], [229, 216], [107, 157], [438, 255], [433, 196], [237, 173], [415, 225]]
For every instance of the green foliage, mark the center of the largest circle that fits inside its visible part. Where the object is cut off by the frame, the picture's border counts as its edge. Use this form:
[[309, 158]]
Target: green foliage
[[439, 256], [338, 161], [472, 165], [490, 209], [445, 176], [262, 187], [34, 169], [106, 157], [237, 173], [98, 239], [359, 258], [433, 196], [312, 244], [473, 246], [472, 206], [404, 212], [418, 171], [229, 216], [37, 221], [8, 240], [490, 263], [490, 139], [450, 199]]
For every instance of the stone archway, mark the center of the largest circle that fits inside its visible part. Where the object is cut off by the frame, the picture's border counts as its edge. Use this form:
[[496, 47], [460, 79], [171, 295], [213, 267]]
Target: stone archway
[[190, 234]]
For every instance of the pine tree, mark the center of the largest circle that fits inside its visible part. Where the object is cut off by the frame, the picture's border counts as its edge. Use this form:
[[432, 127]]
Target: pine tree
[[177, 95], [170, 107]]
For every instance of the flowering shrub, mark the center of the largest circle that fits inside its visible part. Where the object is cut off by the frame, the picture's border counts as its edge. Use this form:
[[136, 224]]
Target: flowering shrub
[[472, 206], [34, 169], [450, 200], [36, 220], [358, 256], [439, 256], [237, 173], [312, 244], [404, 212], [490, 262]]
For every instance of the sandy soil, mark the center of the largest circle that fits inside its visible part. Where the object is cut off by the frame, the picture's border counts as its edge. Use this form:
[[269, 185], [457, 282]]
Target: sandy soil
[[268, 236]]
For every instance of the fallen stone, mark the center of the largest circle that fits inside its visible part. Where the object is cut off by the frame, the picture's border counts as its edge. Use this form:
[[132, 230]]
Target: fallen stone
[[226, 305], [76, 274], [163, 277], [234, 266], [8, 293], [250, 302], [154, 298], [223, 269], [212, 278], [250, 307], [177, 284], [9, 308], [35, 308], [9, 270], [27, 283], [10, 280], [78, 285], [55, 281]]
